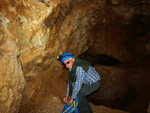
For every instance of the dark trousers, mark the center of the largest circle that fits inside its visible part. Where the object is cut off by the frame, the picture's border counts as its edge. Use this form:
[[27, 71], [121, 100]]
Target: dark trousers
[[86, 89]]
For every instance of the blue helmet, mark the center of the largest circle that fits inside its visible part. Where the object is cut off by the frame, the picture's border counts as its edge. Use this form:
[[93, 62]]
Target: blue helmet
[[66, 56]]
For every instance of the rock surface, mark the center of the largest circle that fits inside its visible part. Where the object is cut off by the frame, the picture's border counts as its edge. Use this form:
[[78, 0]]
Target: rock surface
[[53, 104], [11, 75], [114, 85], [34, 32], [123, 88], [104, 109]]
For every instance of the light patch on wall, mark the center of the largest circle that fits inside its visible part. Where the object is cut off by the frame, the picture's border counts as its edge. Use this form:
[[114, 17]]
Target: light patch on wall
[[39, 40], [34, 22], [4, 20], [33, 7], [26, 3], [49, 10], [36, 40], [12, 9]]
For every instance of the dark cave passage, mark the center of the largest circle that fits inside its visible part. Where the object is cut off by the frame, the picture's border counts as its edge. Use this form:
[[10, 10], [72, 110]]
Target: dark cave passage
[[100, 59]]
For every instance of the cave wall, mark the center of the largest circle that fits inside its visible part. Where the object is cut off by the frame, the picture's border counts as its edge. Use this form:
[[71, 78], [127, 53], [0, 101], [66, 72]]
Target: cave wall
[[33, 33], [122, 34], [122, 30], [11, 75]]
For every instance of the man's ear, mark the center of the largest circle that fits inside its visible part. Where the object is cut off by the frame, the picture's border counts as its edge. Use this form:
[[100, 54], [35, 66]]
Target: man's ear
[[73, 59]]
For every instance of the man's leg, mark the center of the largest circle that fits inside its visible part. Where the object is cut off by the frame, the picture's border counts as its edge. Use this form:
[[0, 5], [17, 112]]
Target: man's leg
[[86, 90], [86, 106], [80, 103]]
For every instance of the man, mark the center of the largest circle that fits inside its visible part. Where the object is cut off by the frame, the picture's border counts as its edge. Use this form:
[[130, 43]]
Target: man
[[83, 80]]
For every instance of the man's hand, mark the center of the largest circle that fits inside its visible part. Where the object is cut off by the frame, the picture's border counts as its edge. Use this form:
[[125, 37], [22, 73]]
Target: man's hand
[[66, 98], [70, 100]]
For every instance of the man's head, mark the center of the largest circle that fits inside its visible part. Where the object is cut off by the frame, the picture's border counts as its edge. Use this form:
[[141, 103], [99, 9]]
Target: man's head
[[67, 59]]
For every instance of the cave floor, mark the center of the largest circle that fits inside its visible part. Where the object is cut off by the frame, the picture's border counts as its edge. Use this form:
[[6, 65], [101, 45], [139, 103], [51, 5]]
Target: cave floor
[[54, 105]]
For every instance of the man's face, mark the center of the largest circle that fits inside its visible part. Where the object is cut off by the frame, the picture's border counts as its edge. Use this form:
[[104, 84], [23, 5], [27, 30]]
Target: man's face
[[68, 63]]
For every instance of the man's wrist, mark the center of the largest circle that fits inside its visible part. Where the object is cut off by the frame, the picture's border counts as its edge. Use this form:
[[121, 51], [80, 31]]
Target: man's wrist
[[73, 97]]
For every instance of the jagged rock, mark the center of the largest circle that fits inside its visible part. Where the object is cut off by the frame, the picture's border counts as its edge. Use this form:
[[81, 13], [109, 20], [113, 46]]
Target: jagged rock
[[11, 76], [49, 104], [111, 43], [52, 104], [42, 30], [34, 32], [104, 109], [114, 85], [122, 88]]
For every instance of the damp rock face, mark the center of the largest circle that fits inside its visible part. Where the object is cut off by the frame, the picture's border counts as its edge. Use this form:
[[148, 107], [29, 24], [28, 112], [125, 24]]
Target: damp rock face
[[34, 32], [122, 88], [103, 109], [11, 75], [122, 30], [109, 90]]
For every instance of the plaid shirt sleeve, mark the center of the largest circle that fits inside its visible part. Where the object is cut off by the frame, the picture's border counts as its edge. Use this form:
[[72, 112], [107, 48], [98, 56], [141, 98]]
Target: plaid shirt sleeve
[[80, 74], [67, 93]]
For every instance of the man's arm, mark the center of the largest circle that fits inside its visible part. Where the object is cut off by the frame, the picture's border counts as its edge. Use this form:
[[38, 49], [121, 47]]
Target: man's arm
[[67, 93], [80, 74]]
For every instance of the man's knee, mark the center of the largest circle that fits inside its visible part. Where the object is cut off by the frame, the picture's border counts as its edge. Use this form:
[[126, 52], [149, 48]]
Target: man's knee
[[81, 95]]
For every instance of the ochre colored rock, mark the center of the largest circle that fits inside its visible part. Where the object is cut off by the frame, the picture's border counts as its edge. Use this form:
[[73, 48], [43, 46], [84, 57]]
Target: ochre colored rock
[[11, 75], [104, 109], [34, 32]]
